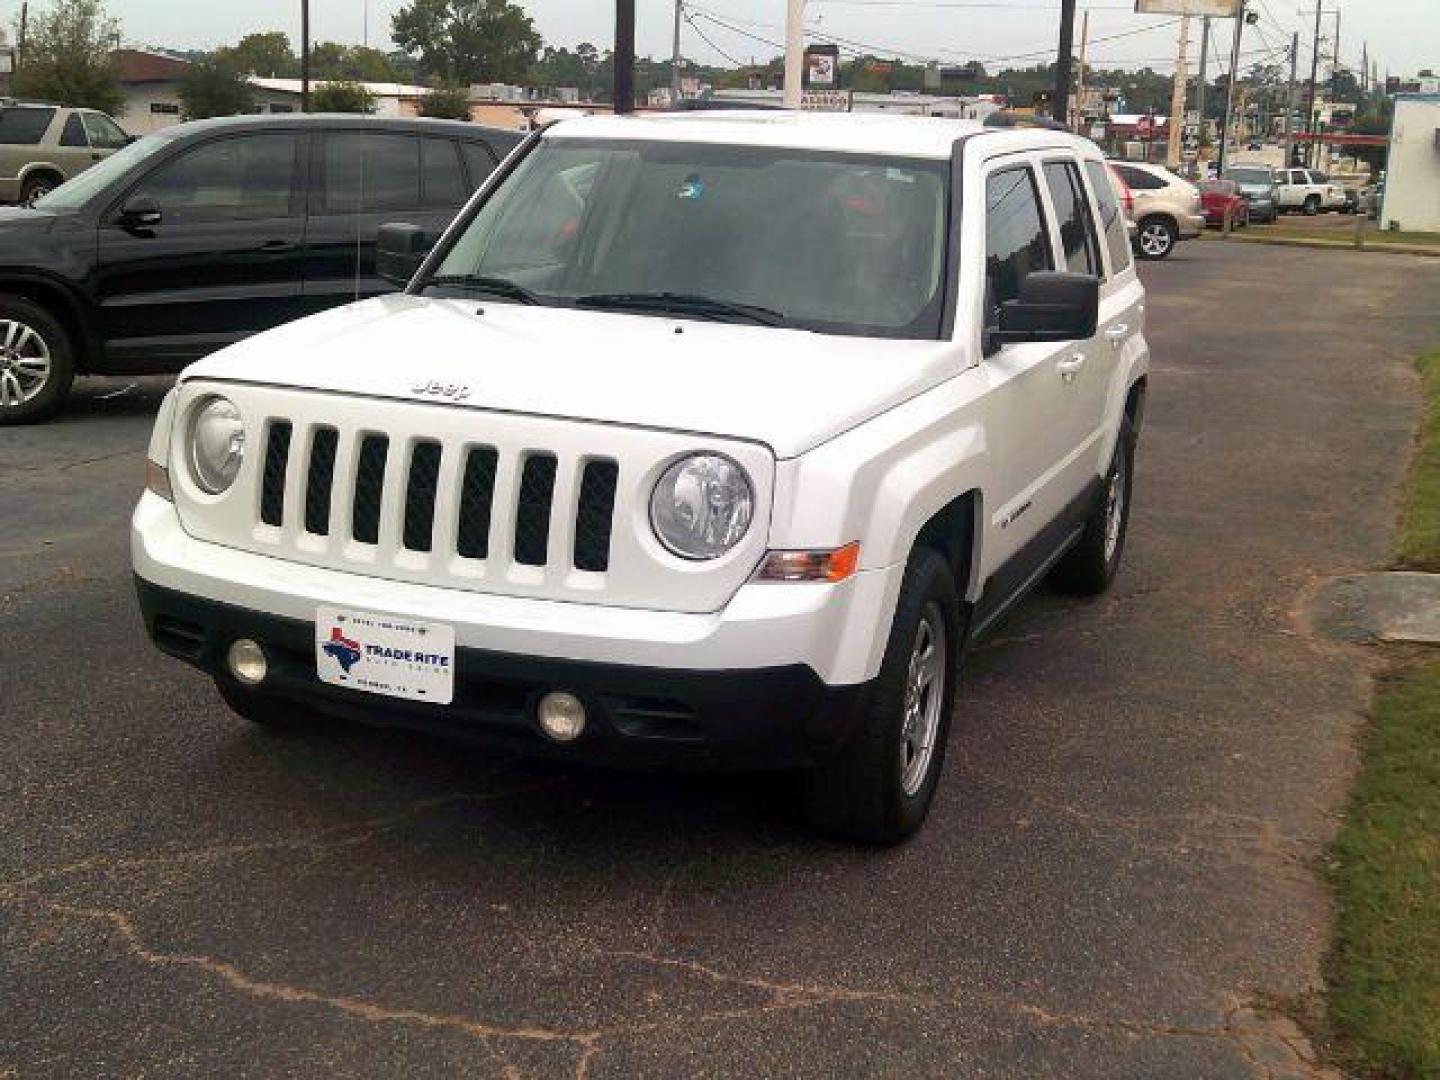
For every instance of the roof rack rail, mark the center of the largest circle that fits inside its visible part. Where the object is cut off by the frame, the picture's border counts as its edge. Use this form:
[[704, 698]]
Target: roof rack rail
[[1007, 119]]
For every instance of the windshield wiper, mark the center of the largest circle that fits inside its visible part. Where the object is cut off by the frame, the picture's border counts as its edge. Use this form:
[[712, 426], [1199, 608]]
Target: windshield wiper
[[479, 283], [682, 304]]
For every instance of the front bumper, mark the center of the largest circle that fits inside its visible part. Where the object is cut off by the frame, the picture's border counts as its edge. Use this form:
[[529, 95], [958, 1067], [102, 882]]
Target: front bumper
[[775, 677], [760, 718]]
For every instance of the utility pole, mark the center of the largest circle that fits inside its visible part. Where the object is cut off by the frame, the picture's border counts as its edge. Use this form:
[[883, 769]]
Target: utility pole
[[1290, 101], [794, 54], [1365, 71], [1177, 96], [304, 56], [1201, 87], [1240, 16], [1311, 117], [20, 42], [675, 57], [624, 57], [1079, 110], [1060, 109]]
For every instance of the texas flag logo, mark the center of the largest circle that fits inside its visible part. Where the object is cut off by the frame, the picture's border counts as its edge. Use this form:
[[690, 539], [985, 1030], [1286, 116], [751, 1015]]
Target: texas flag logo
[[345, 651]]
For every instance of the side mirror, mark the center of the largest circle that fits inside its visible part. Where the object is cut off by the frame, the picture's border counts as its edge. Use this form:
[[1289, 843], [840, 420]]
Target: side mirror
[[141, 212], [399, 251], [1051, 307]]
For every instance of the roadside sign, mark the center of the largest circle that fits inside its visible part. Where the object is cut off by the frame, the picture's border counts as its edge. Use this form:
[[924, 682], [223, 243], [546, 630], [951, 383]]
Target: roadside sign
[[826, 101], [1218, 9]]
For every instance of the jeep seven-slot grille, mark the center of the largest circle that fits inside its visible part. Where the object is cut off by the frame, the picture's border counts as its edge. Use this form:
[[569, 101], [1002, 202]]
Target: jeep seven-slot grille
[[357, 479]]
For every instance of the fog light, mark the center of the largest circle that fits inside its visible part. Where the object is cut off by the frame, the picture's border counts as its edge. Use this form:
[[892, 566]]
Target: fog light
[[247, 662], [562, 717]]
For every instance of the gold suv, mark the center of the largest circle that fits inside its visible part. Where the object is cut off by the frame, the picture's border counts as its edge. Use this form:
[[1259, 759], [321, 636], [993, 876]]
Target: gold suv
[[42, 146]]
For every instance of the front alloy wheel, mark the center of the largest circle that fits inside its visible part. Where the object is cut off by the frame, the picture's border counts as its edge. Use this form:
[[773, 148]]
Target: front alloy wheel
[[24, 364], [924, 700]]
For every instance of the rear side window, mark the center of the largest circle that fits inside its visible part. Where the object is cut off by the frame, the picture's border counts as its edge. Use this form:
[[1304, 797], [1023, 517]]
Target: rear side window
[[104, 133], [1139, 179], [19, 127], [244, 178], [1117, 238], [442, 183], [1072, 209], [479, 162], [371, 171], [1017, 243], [74, 133]]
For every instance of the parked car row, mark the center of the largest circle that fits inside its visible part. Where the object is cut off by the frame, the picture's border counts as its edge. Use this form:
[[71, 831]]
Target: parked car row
[[1166, 208], [191, 239]]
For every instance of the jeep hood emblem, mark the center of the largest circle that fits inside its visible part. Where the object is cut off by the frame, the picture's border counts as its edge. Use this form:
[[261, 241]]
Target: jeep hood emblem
[[449, 391]]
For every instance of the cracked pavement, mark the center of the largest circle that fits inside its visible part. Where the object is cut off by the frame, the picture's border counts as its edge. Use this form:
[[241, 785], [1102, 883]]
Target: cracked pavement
[[1119, 879]]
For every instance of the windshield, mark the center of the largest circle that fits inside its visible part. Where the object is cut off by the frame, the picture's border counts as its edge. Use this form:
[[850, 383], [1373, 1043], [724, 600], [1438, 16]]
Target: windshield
[[836, 243], [1249, 176], [75, 193]]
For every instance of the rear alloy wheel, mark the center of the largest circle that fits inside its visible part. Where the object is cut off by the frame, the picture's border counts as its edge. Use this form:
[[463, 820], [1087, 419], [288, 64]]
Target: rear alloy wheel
[[880, 785], [1090, 567], [36, 362], [1157, 238]]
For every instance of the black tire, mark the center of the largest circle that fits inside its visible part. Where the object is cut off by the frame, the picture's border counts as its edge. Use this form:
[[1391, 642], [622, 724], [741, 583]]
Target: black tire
[[271, 713], [37, 186], [860, 793], [1312, 206], [1090, 567], [1156, 238], [22, 399]]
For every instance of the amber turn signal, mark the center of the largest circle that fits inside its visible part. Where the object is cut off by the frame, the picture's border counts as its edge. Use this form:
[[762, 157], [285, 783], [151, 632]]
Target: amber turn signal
[[832, 566]]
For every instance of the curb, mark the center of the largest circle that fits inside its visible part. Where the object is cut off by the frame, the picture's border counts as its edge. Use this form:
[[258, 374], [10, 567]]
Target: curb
[[1332, 245]]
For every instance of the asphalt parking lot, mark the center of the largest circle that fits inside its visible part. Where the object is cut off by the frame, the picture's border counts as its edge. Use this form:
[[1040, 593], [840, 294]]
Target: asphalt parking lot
[[1121, 876]]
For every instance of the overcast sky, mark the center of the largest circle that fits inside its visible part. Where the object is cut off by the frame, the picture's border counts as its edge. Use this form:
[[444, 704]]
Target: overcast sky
[[1404, 34]]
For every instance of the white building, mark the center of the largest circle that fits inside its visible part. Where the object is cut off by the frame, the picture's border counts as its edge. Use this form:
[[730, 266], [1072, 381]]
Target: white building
[[1412, 178]]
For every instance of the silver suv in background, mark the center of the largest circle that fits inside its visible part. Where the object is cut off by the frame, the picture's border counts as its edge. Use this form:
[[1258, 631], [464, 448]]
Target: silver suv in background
[[1260, 186], [42, 146], [1167, 208]]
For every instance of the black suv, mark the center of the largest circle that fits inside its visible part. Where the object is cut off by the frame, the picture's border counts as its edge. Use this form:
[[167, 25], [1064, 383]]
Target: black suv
[[193, 238]]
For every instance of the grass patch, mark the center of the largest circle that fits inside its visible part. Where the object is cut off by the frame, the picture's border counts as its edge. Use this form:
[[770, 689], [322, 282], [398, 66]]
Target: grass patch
[[1420, 523], [1374, 236], [1385, 969], [1385, 997]]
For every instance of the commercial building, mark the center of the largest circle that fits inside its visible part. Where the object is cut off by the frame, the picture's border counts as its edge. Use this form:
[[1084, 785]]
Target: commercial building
[[1412, 179]]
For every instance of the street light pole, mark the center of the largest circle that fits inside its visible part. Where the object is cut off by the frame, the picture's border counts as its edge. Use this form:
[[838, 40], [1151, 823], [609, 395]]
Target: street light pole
[[304, 56], [1230, 88], [675, 57], [794, 54], [624, 57]]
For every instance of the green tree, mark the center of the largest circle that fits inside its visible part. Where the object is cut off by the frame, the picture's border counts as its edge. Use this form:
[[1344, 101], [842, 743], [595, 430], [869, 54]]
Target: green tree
[[468, 41], [215, 87], [69, 57], [332, 60], [446, 103], [268, 55], [341, 96]]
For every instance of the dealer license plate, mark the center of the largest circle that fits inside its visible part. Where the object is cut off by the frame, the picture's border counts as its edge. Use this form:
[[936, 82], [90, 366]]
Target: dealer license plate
[[385, 654]]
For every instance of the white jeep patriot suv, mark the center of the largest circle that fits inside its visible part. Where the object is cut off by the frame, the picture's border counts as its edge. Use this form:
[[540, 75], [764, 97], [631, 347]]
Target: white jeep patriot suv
[[705, 440]]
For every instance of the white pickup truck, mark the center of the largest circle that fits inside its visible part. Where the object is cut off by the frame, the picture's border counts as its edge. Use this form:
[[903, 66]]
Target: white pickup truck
[[1307, 191], [707, 441]]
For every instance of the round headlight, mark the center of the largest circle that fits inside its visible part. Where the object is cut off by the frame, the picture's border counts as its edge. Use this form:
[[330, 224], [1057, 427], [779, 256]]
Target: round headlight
[[702, 506], [217, 445]]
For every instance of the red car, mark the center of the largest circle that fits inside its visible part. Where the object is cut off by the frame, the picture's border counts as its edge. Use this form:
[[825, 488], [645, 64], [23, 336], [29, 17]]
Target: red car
[[1222, 199]]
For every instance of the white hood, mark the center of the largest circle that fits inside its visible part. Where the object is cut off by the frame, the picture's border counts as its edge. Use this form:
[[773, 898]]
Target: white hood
[[789, 389]]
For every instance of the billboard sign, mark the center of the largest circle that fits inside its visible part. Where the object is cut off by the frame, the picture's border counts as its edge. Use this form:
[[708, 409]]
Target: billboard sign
[[822, 67], [1219, 9]]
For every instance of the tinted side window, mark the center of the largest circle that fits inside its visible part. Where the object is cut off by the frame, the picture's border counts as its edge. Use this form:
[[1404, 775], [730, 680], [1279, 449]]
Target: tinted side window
[[1016, 241], [1077, 230], [239, 179], [479, 162], [74, 133], [1139, 179], [1117, 237], [367, 171], [441, 181], [104, 133], [24, 126]]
